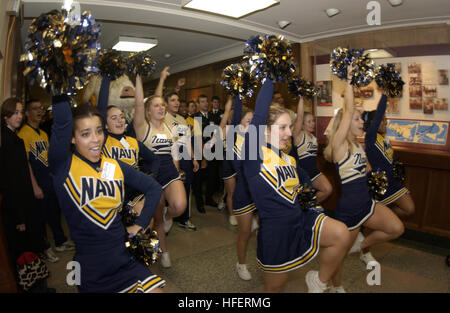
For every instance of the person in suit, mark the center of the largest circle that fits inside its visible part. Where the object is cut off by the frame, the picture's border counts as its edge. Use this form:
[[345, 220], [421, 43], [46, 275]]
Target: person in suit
[[202, 119]]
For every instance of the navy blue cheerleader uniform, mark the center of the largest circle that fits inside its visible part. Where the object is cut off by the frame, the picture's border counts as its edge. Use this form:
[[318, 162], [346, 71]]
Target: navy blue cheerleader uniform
[[90, 195], [307, 155], [242, 199], [228, 170], [125, 148], [288, 237], [380, 155], [355, 206]]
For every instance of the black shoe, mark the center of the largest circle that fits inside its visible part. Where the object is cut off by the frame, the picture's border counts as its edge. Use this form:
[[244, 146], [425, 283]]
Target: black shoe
[[201, 209], [211, 202]]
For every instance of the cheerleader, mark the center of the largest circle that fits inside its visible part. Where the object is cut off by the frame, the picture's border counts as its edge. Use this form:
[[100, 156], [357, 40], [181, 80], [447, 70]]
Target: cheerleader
[[152, 131], [380, 154], [182, 135], [124, 148], [356, 207], [288, 237], [90, 189], [242, 202], [306, 151]]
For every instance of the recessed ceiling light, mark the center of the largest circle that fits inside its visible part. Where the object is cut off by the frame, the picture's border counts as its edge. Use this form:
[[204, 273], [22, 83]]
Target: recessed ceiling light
[[134, 44], [332, 12], [167, 55], [283, 24], [395, 3], [378, 53], [232, 8]]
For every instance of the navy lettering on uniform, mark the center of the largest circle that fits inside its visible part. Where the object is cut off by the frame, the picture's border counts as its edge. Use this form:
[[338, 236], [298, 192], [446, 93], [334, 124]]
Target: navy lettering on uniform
[[92, 188], [155, 139], [121, 153], [359, 159], [284, 173]]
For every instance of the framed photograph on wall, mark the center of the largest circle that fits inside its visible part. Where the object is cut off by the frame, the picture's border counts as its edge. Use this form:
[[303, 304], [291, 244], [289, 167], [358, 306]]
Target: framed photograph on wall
[[415, 79], [429, 91], [414, 68], [324, 96], [441, 104], [415, 103], [443, 77], [393, 105], [415, 91], [428, 105]]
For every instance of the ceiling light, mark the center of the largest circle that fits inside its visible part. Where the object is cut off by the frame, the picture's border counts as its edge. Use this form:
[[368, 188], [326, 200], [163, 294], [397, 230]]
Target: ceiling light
[[283, 24], [395, 3], [378, 53], [332, 12], [232, 8], [167, 55], [134, 44]]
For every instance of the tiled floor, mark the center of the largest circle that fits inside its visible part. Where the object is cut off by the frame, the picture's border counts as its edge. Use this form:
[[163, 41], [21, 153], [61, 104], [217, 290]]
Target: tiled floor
[[204, 261]]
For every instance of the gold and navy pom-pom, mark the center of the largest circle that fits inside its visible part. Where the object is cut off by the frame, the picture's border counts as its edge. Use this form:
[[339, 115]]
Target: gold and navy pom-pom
[[140, 63], [378, 184], [238, 80], [61, 54], [399, 170], [144, 246], [389, 80], [271, 57], [307, 199], [300, 87], [129, 216], [363, 67], [112, 63]]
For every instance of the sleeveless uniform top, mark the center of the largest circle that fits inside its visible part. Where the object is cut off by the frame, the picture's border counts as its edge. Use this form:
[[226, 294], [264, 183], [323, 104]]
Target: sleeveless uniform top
[[36, 146], [180, 131], [355, 205], [159, 142], [307, 155]]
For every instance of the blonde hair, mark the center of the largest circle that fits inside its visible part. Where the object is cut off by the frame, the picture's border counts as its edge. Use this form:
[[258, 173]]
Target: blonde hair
[[328, 151], [274, 113], [148, 102]]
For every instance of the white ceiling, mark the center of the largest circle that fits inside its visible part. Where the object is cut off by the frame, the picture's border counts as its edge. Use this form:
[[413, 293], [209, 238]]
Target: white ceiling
[[194, 38]]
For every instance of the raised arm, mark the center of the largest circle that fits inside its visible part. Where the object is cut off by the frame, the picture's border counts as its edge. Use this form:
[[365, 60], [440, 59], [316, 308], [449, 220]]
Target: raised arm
[[263, 101], [237, 112], [59, 151], [226, 114], [371, 133], [341, 133], [148, 186], [298, 125], [139, 121], [103, 96], [162, 78]]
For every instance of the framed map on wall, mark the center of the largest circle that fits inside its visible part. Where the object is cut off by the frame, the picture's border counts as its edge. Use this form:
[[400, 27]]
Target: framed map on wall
[[425, 132]]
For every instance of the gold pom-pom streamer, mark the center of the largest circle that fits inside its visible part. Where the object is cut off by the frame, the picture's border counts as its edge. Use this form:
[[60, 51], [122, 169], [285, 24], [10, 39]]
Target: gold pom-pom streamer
[[112, 63], [399, 170], [363, 67], [144, 246], [389, 80], [307, 199], [270, 56], [301, 87], [61, 56], [238, 80], [140, 63], [378, 184]]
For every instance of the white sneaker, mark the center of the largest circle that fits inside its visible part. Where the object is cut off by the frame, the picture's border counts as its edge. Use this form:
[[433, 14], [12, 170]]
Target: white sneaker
[[167, 223], [357, 244], [221, 205], [338, 289], [66, 246], [165, 260], [232, 220], [255, 224], [313, 282], [243, 272], [367, 257], [50, 256]]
